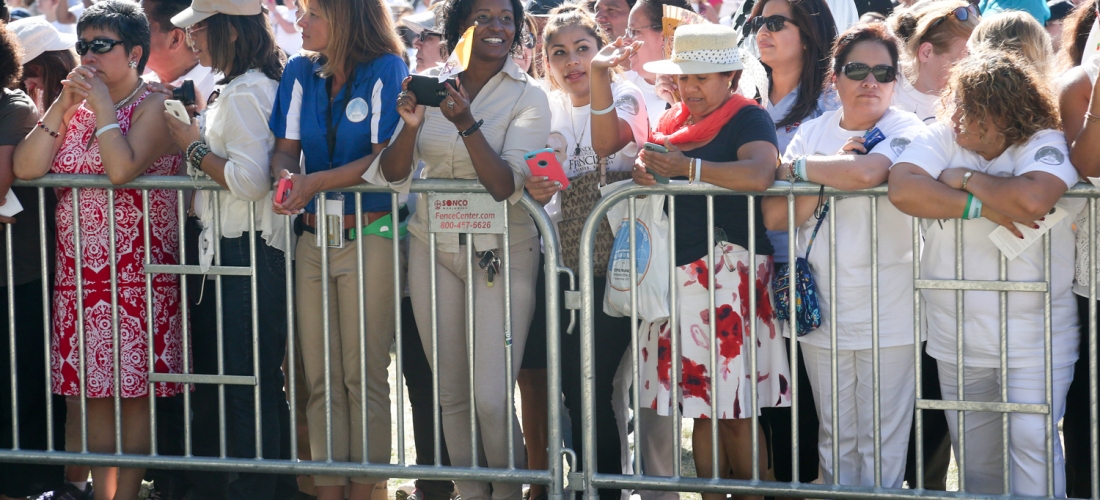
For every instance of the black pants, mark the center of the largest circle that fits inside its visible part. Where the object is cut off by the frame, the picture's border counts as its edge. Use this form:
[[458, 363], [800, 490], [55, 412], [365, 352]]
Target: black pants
[[611, 339], [937, 441], [239, 403], [418, 380], [1075, 425], [776, 423], [20, 480]]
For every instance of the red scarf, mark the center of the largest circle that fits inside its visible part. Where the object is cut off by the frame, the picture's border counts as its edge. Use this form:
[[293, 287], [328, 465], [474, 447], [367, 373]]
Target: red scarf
[[672, 124]]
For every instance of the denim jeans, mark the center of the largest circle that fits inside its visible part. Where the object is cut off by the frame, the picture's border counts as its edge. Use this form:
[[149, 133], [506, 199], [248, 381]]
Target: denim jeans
[[237, 348]]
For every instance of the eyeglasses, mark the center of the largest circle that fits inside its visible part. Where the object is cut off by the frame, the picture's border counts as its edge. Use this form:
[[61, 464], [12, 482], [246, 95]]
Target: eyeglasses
[[529, 40], [190, 31], [774, 23], [960, 13], [98, 46], [883, 73], [633, 32], [423, 35]]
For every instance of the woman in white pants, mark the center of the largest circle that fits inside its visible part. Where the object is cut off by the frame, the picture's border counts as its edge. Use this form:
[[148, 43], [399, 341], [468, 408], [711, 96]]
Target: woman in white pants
[[831, 150], [996, 158]]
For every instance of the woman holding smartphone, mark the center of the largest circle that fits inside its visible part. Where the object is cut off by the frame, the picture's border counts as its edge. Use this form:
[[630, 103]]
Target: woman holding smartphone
[[235, 151], [334, 110], [864, 74], [490, 119], [600, 119]]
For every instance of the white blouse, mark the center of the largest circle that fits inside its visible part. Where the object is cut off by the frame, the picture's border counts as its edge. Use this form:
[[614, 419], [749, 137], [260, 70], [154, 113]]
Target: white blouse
[[236, 128]]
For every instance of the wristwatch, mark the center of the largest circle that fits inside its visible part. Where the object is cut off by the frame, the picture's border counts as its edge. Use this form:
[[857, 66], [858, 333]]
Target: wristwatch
[[966, 178]]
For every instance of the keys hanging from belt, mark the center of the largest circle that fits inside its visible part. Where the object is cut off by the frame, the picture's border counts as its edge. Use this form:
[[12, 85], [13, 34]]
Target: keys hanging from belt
[[490, 263]]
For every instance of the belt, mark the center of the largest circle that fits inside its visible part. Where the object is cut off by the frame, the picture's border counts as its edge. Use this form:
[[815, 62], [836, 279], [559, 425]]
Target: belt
[[349, 220], [378, 223]]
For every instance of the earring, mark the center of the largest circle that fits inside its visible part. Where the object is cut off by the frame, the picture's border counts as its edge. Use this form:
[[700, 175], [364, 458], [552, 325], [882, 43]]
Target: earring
[[132, 64]]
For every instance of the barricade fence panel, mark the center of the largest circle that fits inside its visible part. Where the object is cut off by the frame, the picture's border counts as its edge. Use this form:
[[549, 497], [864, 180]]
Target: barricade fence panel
[[700, 374], [163, 254]]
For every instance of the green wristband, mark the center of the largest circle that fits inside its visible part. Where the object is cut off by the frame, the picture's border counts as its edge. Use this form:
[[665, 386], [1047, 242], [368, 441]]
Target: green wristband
[[966, 209]]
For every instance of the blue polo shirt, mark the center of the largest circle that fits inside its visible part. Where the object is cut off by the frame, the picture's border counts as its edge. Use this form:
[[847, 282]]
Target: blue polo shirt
[[362, 114]]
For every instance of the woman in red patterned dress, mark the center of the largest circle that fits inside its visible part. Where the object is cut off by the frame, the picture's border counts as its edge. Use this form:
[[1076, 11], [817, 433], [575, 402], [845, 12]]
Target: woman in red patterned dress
[[106, 122]]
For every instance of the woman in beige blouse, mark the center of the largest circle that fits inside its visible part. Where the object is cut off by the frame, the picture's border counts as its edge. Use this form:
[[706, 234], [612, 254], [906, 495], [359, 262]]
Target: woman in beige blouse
[[480, 131]]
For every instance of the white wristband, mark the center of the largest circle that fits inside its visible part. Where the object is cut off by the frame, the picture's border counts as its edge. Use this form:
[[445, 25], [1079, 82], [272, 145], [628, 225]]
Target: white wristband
[[604, 111], [105, 128]]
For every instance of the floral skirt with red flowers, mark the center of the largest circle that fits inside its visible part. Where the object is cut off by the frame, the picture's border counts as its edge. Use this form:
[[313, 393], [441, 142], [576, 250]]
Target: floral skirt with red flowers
[[732, 387]]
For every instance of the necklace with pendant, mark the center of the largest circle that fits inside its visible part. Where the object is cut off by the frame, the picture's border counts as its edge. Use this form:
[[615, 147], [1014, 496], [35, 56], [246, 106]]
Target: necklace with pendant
[[578, 138]]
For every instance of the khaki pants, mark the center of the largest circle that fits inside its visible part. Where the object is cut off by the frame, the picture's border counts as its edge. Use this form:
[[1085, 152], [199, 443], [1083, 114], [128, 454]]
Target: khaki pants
[[343, 310], [490, 386]]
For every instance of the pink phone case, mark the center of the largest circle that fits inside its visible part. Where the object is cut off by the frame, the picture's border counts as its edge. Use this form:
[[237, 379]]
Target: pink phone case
[[282, 189], [543, 162]]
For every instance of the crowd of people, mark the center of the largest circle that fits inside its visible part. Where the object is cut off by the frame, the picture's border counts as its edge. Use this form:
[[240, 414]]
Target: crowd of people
[[979, 118]]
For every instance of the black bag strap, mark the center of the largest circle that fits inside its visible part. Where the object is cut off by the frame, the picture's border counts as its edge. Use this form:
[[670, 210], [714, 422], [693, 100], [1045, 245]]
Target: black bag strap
[[820, 218]]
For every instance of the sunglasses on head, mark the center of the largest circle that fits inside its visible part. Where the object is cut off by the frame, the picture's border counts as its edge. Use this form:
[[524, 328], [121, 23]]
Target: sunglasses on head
[[858, 72], [98, 46], [960, 13], [774, 23]]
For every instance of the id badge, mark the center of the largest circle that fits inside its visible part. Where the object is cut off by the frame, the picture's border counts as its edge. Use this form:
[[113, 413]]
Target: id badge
[[334, 223]]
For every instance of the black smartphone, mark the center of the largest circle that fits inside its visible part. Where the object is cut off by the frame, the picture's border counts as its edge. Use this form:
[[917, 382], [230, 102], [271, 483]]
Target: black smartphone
[[429, 91], [649, 146], [185, 93]]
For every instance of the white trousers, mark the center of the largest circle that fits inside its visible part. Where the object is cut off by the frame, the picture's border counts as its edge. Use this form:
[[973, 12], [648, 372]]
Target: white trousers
[[1026, 432], [855, 412]]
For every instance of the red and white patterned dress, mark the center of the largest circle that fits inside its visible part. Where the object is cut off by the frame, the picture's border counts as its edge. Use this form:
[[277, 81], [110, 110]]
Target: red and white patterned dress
[[733, 387], [76, 157]]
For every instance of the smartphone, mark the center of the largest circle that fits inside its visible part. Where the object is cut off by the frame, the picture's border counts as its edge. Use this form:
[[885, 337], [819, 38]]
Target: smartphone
[[649, 146], [176, 109], [872, 138], [429, 91], [282, 189], [543, 162]]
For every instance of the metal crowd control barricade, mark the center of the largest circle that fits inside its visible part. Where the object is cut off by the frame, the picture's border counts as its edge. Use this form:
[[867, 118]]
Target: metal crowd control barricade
[[589, 481], [323, 465]]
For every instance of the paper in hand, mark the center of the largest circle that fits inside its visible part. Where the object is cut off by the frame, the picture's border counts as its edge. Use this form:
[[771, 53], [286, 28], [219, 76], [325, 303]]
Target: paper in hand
[[11, 205], [1012, 247]]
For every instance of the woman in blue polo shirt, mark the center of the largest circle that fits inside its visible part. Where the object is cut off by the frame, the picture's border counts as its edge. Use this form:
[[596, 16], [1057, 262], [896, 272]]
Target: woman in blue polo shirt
[[335, 109]]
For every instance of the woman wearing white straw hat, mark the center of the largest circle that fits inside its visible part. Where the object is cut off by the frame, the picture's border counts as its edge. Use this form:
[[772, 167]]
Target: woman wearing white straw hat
[[234, 149], [722, 138]]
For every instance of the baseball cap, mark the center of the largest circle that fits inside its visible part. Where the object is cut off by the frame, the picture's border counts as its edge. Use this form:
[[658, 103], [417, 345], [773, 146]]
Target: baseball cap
[[37, 35], [422, 21], [202, 9]]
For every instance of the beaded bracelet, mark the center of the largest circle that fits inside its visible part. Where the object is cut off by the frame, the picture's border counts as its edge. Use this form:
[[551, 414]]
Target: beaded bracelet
[[53, 134]]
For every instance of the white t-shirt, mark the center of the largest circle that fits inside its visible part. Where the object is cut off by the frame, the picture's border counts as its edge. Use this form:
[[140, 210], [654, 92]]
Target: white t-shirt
[[908, 98], [572, 125], [778, 111], [1046, 151], [655, 106], [824, 136]]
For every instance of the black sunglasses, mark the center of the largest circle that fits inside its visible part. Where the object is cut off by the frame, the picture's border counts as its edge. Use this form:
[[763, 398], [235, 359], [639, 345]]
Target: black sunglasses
[[99, 46], [858, 72], [423, 35], [774, 23], [960, 13]]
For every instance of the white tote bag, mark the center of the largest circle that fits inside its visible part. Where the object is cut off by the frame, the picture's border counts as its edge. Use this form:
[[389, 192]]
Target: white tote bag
[[651, 244]]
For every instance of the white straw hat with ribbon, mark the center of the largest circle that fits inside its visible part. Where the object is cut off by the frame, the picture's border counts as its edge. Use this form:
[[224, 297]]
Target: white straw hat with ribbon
[[699, 49]]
